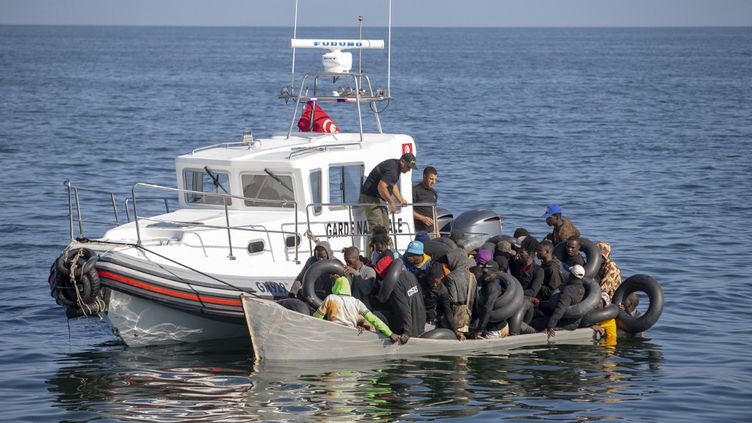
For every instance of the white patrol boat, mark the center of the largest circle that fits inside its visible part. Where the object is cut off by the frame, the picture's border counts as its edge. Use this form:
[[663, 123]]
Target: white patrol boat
[[244, 215]]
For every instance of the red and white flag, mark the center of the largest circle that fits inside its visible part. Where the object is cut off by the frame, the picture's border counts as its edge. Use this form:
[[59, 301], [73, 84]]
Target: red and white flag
[[321, 120]]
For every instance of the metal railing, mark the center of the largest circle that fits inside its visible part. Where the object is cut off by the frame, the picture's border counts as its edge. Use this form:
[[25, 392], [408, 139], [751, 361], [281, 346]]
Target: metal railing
[[75, 198]]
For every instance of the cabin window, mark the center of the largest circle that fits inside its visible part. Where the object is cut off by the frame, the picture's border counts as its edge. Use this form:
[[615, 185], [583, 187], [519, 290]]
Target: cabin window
[[264, 190], [316, 189], [344, 183], [209, 182]]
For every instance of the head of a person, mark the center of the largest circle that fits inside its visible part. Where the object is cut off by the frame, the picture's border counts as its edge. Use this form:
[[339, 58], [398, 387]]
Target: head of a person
[[505, 247], [631, 302], [487, 271], [320, 253], [545, 250], [422, 236], [519, 232], [605, 249], [407, 162], [553, 214], [430, 176], [573, 246], [380, 243], [435, 275], [458, 237], [352, 257], [414, 252], [341, 286], [577, 271]]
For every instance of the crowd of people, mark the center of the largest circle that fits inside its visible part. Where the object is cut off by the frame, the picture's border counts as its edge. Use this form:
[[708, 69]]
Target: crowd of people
[[458, 289]]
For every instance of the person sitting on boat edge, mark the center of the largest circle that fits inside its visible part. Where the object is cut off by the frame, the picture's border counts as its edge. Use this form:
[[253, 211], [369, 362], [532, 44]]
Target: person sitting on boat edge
[[363, 276], [490, 291], [563, 228], [572, 293], [322, 251], [606, 330], [438, 303], [425, 193], [340, 307], [609, 274], [407, 311], [416, 260], [381, 184]]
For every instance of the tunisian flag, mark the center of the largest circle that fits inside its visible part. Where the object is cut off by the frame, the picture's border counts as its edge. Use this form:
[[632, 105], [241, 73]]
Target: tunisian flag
[[321, 121]]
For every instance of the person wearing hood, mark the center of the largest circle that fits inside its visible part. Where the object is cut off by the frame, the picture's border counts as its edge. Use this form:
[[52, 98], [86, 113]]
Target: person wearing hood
[[461, 284], [609, 274], [572, 293], [323, 285], [439, 312], [342, 308], [490, 292], [406, 306]]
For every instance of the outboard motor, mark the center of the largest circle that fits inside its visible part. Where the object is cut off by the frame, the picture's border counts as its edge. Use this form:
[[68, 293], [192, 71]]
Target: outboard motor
[[478, 226]]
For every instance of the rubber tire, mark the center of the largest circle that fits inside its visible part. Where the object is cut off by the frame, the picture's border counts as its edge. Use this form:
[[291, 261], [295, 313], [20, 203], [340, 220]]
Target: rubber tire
[[496, 238], [600, 315], [313, 273], [592, 252], [296, 305], [438, 247], [515, 322], [390, 280], [654, 291], [440, 333], [588, 303], [510, 301]]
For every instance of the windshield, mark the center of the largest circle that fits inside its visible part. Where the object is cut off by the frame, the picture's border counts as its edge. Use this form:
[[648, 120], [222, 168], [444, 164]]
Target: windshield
[[275, 188], [208, 182]]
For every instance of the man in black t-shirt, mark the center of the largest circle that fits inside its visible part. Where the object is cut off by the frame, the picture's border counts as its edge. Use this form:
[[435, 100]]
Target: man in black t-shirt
[[424, 193], [380, 185]]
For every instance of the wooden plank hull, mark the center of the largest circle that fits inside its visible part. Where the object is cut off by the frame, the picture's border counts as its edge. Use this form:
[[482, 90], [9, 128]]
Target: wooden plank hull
[[279, 334]]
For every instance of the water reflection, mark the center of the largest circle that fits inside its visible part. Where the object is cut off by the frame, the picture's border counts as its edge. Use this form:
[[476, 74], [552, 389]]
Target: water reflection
[[221, 382]]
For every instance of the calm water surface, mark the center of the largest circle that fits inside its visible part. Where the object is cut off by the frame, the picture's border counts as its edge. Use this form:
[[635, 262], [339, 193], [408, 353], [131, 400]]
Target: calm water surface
[[643, 135]]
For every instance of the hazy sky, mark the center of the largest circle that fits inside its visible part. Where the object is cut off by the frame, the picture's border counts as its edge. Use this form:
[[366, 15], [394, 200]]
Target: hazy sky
[[405, 12]]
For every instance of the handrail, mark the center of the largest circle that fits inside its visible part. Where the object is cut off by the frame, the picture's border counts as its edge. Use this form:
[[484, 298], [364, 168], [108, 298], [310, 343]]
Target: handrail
[[226, 210], [303, 150], [73, 190], [127, 201], [222, 144]]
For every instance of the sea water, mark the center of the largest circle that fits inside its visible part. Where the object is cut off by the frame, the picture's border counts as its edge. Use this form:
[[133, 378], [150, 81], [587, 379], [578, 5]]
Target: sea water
[[642, 135]]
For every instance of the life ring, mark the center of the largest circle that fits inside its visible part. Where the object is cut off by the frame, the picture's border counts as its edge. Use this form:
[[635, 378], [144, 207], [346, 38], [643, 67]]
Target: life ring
[[588, 303], [600, 315], [510, 301], [440, 333], [390, 280], [654, 291], [311, 276], [85, 277], [592, 252], [515, 322], [295, 304], [438, 247]]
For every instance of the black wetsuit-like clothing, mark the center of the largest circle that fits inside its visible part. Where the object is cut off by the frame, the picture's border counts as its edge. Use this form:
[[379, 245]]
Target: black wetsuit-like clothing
[[490, 292], [552, 277], [421, 194], [438, 306], [573, 293], [530, 279], [408, 309]]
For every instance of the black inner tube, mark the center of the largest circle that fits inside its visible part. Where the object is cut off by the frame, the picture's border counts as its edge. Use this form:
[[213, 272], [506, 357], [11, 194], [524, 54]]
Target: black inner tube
[[588, 303], [295, 304], [600, 315], [515, 322], [592, 253], [510, 301], [311, 276], [390, 280], [651, 287], [440, 333]]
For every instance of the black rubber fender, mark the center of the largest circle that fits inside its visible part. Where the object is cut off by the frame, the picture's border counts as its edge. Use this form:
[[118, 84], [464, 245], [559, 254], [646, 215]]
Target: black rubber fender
[[515, 322], [312, 274], [592, 253], [588, 304], [600, 315], [496, 238], [85, 274], [510, 301], [295, 304], [440, 333], [390, 280], [651, 287]]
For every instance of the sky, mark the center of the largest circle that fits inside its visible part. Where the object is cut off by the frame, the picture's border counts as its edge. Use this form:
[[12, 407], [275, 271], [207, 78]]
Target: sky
[[437, 13]]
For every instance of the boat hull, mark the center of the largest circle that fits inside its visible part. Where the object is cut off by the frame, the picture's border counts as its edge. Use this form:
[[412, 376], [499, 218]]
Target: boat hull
[[279, 334]]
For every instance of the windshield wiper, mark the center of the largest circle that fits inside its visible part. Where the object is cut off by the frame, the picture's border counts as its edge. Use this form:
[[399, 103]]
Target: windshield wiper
[[214, 178], [276, 178]]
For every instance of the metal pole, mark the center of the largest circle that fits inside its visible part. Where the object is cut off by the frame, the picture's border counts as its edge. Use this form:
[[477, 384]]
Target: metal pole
[[78, 210], [229, 237], [357, 101], [135, 214], [114, 208], [70, 209], [294, 36], [389, 55]]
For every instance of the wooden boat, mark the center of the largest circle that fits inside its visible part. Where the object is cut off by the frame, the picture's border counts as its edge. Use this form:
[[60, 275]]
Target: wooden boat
[[279, 334]]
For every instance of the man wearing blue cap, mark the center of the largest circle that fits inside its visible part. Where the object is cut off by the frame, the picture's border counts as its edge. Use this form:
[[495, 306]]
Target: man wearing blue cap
[[563, 228], [417, 261]]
